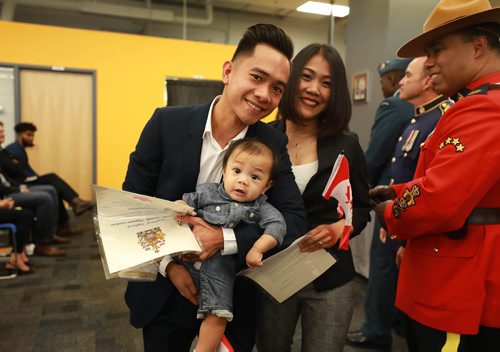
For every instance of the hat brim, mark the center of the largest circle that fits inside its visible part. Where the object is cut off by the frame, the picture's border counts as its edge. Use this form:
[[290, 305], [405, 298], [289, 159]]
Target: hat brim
[[416, 46]]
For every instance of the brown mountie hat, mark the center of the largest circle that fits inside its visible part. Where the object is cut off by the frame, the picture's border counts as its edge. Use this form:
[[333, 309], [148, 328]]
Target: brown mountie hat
[[449, 16]]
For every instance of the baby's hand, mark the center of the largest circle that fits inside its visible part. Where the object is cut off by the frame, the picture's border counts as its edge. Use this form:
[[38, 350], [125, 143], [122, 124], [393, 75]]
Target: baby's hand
[[190, 212], [254, 258]]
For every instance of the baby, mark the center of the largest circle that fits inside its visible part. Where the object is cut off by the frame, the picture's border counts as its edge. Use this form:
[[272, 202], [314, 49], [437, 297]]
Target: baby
[[249, 167]]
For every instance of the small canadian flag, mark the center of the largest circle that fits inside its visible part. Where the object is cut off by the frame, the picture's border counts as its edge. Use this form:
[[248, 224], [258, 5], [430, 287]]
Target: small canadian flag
[[339, 187], [224, 346]]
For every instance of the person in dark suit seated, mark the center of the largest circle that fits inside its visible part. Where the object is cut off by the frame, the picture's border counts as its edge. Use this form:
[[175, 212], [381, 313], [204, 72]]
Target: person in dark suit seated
[[181, 147], [25, 134], [42, 205]]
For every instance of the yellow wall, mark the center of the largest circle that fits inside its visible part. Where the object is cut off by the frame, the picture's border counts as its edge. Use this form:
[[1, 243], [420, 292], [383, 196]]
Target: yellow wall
[[131, 71]]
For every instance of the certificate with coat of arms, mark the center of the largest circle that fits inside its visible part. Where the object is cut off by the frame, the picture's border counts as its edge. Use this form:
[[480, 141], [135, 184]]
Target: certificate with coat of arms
[[134, 229]]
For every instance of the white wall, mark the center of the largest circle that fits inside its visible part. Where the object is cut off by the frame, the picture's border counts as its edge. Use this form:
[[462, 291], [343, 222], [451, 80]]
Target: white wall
[[7, 103], [376, 29]]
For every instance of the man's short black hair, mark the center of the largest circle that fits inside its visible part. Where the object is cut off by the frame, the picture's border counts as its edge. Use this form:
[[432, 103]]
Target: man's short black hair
[[267, 34], [24, 126]]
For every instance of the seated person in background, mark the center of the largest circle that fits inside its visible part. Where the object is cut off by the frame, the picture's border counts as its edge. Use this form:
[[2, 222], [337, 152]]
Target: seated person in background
[[249, 167], [25, 133], [13, 172], [41, 203], [19, 263]]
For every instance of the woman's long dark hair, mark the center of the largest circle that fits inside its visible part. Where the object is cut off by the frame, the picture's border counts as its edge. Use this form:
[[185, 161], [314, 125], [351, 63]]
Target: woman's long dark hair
[[335, 118]]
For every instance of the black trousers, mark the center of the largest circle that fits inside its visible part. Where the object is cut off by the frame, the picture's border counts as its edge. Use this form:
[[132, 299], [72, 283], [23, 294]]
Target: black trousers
[[421, 338], [176, 326], [23, 220], [64, 191]]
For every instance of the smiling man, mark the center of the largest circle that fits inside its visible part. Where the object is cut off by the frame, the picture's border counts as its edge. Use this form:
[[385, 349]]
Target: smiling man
[[449, 283], [181, 147]]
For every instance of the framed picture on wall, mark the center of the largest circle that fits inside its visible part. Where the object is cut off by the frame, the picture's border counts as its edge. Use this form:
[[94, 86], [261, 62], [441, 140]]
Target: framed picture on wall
[[360, 87]]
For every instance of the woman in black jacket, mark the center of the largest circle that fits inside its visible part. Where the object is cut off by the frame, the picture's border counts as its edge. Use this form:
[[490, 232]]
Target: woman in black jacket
[[316, 110]]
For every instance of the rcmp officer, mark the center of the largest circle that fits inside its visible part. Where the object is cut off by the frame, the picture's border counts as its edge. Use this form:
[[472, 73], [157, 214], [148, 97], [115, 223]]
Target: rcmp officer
[[416, 88], [392, 116], [449, 283]]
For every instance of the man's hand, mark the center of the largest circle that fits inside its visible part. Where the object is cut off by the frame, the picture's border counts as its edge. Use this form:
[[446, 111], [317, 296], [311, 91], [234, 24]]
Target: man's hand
[[382, 235], [380, 194], [7, 203], [209, 237], [183, 281]]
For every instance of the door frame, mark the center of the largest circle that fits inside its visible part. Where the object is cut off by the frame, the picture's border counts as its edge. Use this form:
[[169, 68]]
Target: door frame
[[17, 99]]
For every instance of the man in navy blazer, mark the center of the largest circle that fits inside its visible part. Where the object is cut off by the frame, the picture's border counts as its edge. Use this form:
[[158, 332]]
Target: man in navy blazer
[[181, 147]]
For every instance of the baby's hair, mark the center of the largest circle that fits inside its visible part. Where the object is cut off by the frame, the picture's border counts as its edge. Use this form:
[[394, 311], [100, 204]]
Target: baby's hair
[[254, 147]]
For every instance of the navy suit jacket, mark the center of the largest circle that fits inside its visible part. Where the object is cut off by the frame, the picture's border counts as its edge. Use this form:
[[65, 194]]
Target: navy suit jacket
[[391, 118], [18, 152], [166, 164]]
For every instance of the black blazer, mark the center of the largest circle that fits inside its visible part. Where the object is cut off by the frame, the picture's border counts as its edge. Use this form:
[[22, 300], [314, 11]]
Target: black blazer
[[321, 211], [165, 164]]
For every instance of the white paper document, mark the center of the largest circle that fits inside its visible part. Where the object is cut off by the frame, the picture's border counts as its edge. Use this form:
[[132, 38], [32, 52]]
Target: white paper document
[[288, 271], [133, 229]]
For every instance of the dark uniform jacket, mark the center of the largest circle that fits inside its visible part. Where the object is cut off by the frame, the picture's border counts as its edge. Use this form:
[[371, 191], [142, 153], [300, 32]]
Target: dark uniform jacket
[[392, 116], [404, 161]]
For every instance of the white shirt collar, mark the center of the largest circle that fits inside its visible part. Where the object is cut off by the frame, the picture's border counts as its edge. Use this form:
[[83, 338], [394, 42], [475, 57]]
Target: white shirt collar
[[208, 125]]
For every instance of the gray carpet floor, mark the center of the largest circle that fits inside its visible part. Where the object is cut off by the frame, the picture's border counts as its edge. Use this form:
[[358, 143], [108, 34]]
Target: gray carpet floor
[[68, 305]]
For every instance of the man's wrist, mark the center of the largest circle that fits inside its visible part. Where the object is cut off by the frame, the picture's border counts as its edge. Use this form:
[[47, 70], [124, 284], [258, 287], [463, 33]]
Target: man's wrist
[[229, 244]]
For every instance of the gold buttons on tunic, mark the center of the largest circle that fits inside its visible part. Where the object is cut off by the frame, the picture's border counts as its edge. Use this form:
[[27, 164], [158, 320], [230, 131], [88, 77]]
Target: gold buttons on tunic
[[435, 249], [236, 205], [412, 121], [252, 215], [393, 237], [393, 159], [400, 138], [405, 155], [217, 208]]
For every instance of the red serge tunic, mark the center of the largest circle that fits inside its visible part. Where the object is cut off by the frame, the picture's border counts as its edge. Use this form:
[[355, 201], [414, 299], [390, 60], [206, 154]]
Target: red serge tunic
[[453, 284]]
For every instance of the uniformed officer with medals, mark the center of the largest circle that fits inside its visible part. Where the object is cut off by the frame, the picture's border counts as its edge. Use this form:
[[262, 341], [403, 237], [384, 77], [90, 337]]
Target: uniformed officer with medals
[[449, 282]]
